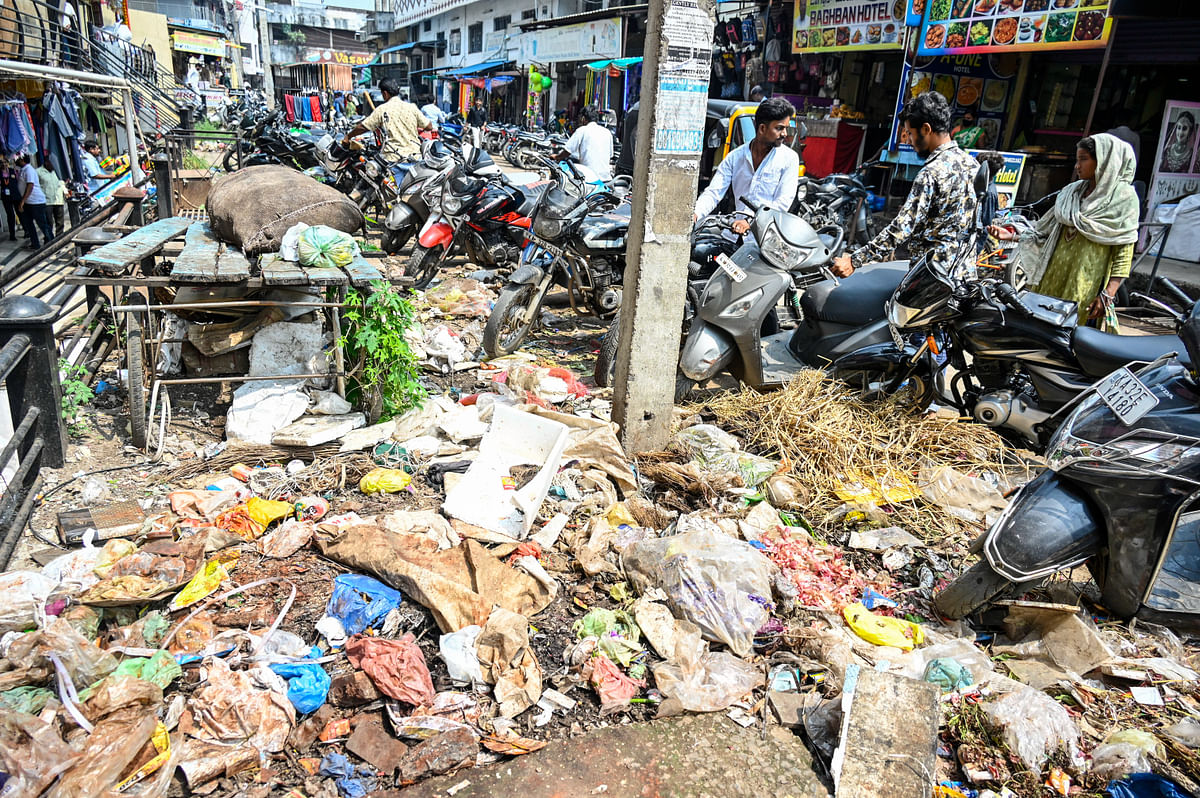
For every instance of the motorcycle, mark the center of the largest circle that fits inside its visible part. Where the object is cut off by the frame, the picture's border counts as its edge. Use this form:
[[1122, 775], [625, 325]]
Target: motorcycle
[[576, 242], [418, 190], [1120, 495], [1007, 358], [839, 199], [272, 145], [481, 212]]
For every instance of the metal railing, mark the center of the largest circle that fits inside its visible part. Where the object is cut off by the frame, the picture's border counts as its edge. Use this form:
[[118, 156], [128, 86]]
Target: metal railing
[[29, 370]]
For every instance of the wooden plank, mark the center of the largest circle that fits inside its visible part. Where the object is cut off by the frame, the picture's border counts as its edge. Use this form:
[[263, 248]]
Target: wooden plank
[[152, 281], [233, 267], [204, 259], [324, 276], [361, 272], [889, 737], [121, 255], [276, 271]]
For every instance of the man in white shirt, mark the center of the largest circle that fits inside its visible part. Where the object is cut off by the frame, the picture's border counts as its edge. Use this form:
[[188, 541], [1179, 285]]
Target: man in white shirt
[[32, 206], [434, 114], [762, 170], [592, 144]]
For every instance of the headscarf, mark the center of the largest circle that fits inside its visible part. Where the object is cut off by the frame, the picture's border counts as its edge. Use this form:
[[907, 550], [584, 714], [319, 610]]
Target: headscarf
[[1108, 216]]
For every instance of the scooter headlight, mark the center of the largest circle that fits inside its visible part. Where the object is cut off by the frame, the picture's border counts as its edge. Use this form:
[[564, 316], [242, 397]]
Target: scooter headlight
[[802, 192], [741, 306], [778, 252], [899, 315], [452, 203]]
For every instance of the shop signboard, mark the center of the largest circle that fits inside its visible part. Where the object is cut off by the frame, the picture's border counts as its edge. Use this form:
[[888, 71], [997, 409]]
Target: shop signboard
[[317, 55], [584, 41], [915, 13], [988, 26], [1008, 180], [1177, 157], [186, 42], [821, 26], [978, 83]]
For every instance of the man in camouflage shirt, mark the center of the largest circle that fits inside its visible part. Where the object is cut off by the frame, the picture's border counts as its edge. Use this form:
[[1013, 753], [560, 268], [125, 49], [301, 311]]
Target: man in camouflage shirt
[[940, 209]]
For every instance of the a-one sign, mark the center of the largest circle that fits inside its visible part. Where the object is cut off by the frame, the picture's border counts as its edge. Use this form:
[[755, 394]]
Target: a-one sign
[[982, 26], [831, 25]]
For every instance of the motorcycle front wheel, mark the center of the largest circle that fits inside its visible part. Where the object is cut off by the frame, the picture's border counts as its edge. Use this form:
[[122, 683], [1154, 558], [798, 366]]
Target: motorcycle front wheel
[[916, 394], [974, 589], [422, 265], [512, 318]]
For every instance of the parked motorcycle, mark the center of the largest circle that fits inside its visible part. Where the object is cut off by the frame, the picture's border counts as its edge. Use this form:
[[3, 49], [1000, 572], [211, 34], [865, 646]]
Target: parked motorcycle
[[1120, 495], [268, 143], [577, 243], [838, 199], [418, 189], [1012, 358]]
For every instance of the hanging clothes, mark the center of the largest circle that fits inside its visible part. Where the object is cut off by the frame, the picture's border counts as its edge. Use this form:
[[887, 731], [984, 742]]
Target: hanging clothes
[[315, 103], [289, 105]]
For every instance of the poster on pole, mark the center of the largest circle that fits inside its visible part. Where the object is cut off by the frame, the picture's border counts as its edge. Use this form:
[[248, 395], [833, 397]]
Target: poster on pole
[[822, 26], [1177, 157], [683, 80]]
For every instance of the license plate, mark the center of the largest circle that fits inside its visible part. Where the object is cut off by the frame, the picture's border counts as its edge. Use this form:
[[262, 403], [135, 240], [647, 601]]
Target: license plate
[[729, 267], [1126, 396], [896, 339]]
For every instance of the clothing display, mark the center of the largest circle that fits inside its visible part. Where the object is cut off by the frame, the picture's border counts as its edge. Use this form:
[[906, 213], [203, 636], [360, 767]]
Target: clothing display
[[16, 127]]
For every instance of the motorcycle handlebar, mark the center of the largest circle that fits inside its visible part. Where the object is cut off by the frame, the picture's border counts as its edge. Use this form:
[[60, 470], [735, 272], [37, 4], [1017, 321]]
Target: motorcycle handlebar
[[1176, 293], [1008, 295]]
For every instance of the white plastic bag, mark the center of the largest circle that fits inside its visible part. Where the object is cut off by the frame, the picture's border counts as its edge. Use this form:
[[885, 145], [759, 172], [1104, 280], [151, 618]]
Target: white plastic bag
[[289, 246], [720, 584], [328, 403], [1034, 726], [23, 597], [459, 651]]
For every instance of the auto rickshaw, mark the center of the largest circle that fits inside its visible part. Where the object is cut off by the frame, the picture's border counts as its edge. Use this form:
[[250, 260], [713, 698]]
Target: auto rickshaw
[[728, 125]]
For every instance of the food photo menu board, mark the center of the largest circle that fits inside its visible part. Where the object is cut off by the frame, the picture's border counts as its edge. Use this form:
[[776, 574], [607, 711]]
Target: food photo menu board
[[822, 26], [984, 26]]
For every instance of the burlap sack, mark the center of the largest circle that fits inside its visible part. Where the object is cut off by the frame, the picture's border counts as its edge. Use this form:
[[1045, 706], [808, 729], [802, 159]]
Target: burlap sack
[[252, 208]]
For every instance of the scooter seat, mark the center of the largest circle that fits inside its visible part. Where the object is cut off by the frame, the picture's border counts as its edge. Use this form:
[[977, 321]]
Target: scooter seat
[[858, 299], [1100, 353]]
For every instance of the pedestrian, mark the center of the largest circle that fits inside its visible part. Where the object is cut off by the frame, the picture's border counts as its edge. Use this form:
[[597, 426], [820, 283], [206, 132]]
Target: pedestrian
[[757, 94], [91, 165], [55, 193], [434, 114], [10, 195], [476, 119], [32, 206], [592, 144], [401, 122], [625, 161], [940, 210], [1083, 250]]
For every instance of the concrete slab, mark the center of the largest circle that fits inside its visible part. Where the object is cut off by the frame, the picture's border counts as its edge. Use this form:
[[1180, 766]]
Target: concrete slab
[[696, 756]]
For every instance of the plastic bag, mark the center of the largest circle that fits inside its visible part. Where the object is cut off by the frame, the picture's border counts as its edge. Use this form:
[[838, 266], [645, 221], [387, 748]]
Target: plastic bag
[[289, 245], [23, 597], [611, 684], [265, 512], [361, 602], [601, 622], [1145, 785], [323, 247], [708, 684], [32, 753], [28, 699], [720, 584], [1185, 732], [74, 571], [328, 403], [384, 480], [882, 630], [308, 684], [716, 450], [461, 655], [160, 669], [948, 674], [206, 581], [287, 539], [1034, 726], [397, 667]]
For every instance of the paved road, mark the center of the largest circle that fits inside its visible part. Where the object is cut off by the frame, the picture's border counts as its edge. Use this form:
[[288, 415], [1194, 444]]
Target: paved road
[[696, 756]]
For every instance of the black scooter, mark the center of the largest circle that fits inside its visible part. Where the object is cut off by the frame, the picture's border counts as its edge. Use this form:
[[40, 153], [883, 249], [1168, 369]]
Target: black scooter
[[1122, 494]]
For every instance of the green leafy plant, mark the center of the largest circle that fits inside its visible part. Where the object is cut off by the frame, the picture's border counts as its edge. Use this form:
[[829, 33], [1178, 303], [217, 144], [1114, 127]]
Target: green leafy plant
[[75, 393], [382, 370]]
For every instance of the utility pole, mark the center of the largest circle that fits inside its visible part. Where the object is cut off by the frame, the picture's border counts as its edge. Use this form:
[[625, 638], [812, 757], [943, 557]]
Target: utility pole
[[666, 169], [264, 48]]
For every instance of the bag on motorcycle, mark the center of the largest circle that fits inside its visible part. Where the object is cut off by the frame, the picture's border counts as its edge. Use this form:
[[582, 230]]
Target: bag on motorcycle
[[253, 207]]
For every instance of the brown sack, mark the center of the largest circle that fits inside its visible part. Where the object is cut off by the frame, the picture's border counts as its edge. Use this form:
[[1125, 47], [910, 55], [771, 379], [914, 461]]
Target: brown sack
[[252, 208]]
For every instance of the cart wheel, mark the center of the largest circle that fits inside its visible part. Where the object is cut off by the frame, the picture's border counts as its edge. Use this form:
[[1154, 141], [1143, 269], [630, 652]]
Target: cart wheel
[[135, 354]]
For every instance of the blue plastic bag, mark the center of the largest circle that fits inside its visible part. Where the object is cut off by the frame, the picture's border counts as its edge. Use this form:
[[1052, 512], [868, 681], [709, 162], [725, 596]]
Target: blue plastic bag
[[308, 684], [360, 602], [352, 782], [1144, 785]]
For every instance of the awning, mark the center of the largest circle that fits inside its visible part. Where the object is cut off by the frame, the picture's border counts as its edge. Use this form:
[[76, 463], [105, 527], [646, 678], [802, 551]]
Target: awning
[[589, 16], [474, 69], [620, 63], [399, 48]]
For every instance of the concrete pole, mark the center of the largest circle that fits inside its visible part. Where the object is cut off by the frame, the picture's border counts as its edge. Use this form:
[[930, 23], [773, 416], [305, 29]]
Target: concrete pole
[[264, 49], [666, 168]]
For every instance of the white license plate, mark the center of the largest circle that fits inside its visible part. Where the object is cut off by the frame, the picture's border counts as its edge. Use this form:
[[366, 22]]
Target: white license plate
[[729, 267], [1126, 396]]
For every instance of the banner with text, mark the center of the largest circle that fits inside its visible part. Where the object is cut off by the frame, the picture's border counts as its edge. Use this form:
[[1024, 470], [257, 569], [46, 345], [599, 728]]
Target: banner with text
[[831, 25], [987, 26]]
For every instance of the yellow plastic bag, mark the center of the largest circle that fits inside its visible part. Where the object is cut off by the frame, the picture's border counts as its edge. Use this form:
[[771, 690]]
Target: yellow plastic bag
[[891, 488], [113, 551], [882, 630], [162, 746], [618, 514], [384, 480], [207, 580], [265, 512]]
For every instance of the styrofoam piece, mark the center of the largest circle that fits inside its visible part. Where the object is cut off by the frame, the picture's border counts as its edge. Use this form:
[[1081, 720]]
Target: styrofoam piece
[[514, 438]]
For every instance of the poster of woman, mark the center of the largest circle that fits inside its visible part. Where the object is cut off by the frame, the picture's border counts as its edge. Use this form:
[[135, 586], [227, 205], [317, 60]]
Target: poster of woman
[[1176, 159]]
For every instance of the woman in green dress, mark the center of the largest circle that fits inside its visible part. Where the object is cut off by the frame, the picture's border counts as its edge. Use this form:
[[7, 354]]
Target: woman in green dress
[[1083, 249]]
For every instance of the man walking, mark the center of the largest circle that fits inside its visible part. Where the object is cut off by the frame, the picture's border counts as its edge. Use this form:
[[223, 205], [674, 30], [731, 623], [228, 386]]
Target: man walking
[[33, 204], [592, 144], [401, 121], [53, 188], [476, 119]]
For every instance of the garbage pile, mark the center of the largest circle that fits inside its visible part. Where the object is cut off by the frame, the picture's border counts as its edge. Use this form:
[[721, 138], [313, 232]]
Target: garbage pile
[[480, 577]]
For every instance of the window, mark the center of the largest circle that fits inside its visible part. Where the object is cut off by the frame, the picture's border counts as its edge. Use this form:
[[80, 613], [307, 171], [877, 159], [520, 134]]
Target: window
[[475, 38], [413, 32], [456, 42], [501, 23], [428, 25], [529, 13]]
